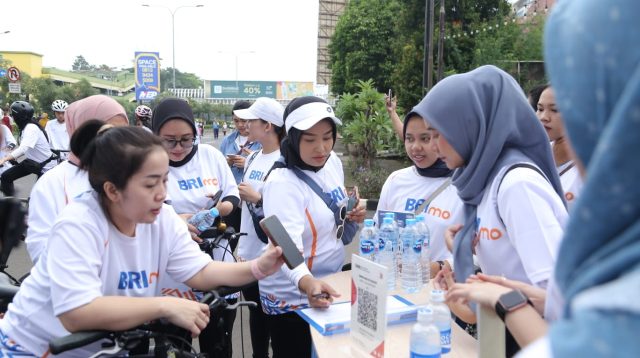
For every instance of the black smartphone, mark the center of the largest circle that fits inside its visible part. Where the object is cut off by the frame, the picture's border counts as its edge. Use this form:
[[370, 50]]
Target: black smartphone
[[353, 199], [215, 198], [279, 237]]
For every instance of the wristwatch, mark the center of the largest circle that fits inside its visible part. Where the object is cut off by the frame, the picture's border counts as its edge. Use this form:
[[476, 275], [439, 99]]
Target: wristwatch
[[510, 302]]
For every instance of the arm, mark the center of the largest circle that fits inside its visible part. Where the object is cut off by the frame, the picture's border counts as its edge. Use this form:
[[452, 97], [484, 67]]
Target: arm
[[391, 105], [44, 206]]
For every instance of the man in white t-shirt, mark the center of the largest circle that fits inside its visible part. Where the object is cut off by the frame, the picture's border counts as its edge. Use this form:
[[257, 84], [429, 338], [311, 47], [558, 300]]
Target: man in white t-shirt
[[56, 128]]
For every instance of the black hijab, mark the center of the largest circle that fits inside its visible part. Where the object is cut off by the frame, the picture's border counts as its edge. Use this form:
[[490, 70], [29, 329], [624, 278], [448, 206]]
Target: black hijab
[[436, 170]]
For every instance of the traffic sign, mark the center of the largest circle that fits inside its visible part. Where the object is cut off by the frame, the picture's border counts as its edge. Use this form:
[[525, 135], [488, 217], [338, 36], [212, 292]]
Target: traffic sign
[[15, 87], [3, 72], [13, 74]]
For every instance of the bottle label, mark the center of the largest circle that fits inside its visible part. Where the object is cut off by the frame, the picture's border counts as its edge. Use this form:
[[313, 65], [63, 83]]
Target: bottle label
[[418, 355], [445, 340], [381, 244], [417, 246], [366, 247]]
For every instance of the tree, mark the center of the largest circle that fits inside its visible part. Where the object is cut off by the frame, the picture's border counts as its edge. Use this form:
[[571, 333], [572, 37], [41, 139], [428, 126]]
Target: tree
[[362, 45], [183, 79], [81, 64]]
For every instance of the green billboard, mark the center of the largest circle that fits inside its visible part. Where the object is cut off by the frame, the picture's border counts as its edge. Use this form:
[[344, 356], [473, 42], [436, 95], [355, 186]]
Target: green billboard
[[243, 89]]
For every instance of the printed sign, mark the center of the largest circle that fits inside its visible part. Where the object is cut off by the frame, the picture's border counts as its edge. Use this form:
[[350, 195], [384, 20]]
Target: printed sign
[[147, 73], [15, 87], [13, 74], [243, 89]]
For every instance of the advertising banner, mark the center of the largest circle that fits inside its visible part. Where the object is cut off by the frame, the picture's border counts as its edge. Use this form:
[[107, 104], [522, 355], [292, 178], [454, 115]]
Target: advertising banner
[[147, 72], [243, 89], [291, 90]]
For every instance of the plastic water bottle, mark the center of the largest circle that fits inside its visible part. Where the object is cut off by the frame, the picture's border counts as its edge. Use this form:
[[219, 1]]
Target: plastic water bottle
[[425, 336], [442, 319], [368, 241], [411, 270], [387, 255], [397, 245], [425, 252], [204, 219]]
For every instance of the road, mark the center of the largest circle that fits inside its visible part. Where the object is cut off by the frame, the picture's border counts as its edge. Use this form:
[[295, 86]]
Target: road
[[19, 263]]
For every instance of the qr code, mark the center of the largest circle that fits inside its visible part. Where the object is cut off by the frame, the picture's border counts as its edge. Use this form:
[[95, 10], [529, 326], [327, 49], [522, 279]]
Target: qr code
[[367, 309]]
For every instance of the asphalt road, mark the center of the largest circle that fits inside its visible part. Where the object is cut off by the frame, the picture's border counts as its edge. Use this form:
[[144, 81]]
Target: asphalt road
[[19, 264]]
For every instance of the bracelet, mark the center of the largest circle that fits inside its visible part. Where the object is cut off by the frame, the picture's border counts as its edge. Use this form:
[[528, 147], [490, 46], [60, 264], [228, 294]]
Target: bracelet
[[255, 270]]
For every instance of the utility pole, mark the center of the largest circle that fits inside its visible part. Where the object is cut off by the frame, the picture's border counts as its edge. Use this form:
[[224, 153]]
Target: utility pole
[[427, 64], [441, 43]]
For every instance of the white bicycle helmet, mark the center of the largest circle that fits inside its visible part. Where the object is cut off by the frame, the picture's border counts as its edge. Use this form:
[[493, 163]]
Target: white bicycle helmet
[[59, 105], [143, 111]]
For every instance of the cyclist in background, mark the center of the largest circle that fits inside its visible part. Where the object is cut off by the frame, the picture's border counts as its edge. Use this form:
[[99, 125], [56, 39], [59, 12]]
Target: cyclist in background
[[143, 117], [57, 128], [33, 144]]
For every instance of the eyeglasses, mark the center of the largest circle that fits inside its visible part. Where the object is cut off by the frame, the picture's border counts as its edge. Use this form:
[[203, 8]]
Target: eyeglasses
[[186, 142], [340, 216]]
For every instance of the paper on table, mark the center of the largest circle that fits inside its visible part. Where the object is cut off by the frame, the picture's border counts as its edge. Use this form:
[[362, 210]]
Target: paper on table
[[337, 318]]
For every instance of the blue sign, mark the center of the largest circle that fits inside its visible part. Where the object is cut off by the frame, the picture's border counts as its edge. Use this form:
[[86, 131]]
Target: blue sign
[[147, 72], [3, 72]]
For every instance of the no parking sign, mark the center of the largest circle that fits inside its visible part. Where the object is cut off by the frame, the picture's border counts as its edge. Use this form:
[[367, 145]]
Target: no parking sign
[[13, 74]]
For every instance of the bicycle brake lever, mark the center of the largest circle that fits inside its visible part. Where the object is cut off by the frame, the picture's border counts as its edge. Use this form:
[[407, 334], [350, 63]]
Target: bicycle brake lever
[[109, 351], [241, 303]]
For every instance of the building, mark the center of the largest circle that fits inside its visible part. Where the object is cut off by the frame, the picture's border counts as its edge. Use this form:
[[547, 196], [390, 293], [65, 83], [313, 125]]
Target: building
[[27, 62], [329, 12]]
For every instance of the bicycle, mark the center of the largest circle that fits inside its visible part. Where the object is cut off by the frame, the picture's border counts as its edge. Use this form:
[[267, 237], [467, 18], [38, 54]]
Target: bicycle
[[121, 343]]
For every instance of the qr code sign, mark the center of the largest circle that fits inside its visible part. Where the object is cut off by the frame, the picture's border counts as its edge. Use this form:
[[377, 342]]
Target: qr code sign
[[367, 309]]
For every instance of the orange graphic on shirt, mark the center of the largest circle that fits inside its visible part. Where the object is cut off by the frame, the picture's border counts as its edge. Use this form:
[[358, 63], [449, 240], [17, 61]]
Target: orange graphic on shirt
[[437, 212], [488, 233]]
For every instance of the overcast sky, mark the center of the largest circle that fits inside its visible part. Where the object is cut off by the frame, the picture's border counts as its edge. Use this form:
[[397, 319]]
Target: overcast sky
[[274, 40]]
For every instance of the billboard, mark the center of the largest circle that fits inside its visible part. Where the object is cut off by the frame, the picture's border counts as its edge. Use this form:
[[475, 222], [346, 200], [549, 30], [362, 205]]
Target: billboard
[[147, 73], [255, 89]]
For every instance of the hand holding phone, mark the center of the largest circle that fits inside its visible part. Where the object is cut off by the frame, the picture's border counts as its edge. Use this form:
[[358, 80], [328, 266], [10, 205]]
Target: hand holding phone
[[354, 197], [279, 237]]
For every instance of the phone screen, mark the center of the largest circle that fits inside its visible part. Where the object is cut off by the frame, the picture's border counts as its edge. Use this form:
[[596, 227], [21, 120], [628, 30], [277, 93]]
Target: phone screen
[[279, 237]]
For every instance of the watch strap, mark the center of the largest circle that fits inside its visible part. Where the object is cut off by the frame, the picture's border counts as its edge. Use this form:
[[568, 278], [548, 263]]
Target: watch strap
[[502, 311]]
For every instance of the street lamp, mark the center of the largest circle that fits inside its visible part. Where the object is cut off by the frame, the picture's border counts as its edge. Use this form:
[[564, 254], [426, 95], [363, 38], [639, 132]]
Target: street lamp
[[5, 32], [236, 53], [173, 34]]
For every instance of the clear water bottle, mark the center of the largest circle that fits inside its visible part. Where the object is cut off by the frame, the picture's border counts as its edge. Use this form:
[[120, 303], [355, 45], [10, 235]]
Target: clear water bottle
[[203, 220], [368, 241], [387, 255], [425, 336], [442, 319], [411, 270], [425, 253], [397, 245]]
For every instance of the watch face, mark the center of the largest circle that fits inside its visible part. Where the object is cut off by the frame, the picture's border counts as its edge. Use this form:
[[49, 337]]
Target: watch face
[[512, 299]]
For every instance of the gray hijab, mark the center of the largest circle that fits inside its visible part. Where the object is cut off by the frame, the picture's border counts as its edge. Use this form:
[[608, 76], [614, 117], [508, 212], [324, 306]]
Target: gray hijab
[[486, 118]]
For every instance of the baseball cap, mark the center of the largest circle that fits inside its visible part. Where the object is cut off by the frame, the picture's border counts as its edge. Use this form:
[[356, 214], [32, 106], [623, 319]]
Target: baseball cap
[[264, 108], [304, 112]]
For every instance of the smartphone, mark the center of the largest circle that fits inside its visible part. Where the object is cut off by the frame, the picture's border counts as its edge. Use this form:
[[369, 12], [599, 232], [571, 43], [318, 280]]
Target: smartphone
[[215, 198], [279, 237], [390, 94], [353, 199]]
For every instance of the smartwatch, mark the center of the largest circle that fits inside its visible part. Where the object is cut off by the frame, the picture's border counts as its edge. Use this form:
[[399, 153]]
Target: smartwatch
[[510, 302]]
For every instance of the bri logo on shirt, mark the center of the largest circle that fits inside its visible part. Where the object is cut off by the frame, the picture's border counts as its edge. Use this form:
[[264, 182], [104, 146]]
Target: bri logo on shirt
[[337, 195], [196, 183], [413, 204], [256, 175], [136, 279]]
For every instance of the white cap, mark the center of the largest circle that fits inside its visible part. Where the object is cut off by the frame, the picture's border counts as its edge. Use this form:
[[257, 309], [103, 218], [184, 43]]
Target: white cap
[[308, 114], [267, 109], [437, 296]]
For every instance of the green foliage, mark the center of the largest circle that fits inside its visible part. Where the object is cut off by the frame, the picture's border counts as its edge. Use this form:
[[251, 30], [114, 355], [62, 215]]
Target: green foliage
[[183, 79], [81, 64], [369, 180], [366, 124], [362, 45]]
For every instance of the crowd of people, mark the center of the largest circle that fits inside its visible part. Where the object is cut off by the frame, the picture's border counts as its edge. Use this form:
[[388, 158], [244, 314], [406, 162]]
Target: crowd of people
[[539, 195]]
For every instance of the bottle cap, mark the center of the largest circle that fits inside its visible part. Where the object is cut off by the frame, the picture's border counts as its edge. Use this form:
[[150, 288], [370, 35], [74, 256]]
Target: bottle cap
[[390, 215], [214, 212], [368, 222], [387, 220], [411, 222], [420, 218], [425, 314], [437, 296]]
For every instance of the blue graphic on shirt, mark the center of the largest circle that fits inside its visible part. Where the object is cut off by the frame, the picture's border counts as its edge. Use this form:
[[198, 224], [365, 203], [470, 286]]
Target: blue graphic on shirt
[[136, 279], [197, 183]]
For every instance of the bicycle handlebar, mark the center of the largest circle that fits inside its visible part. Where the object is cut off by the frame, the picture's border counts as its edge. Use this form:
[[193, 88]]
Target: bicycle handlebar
[[76, 340]]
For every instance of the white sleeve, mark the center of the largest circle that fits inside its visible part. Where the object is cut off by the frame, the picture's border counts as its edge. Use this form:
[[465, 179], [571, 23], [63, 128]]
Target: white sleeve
[[532, 214], [44, 206], [74, 265], [227, 180], [47, 129], [185, 257], [285, 200], [8, 136], [28, 141], [384, 197]]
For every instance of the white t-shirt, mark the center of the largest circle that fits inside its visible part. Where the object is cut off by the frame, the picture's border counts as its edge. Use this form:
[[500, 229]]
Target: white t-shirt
[[57, 133], [188, 186], [87, 258], [571, 182], [241, 140], [51, 193], [405, 190], [250, 247], [312, 227], [34, 145], [7, 139], [523, 245]]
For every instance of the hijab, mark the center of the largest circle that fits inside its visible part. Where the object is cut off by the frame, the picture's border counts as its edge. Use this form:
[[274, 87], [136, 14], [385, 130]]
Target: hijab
[[438, 169], [485, 116], [593, 59], [170, 109], [98, 107]]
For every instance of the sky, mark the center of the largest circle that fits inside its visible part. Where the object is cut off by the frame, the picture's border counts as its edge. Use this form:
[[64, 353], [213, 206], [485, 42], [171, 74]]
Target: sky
[[270, 40]]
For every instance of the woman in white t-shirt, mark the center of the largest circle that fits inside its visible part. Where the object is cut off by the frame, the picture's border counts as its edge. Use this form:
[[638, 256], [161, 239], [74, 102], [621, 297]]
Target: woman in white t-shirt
[[64, 183], [266, 126], [196, 172], [130, 240], [406, 189], [551, 119], [307, 153], [7, 143], [33, 145]]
